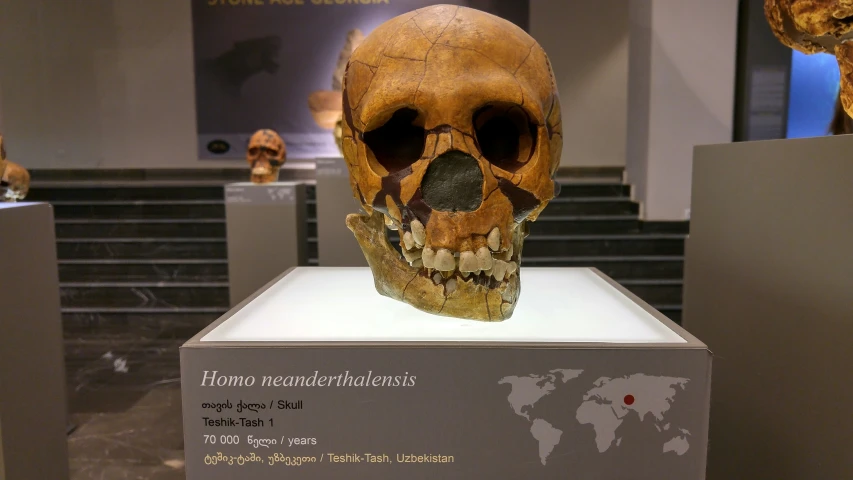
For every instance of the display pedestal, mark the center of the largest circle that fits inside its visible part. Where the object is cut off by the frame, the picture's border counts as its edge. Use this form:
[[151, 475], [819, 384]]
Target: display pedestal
[[33, 409], [336, 245], [584, 380], [265, 228], [769, 287]]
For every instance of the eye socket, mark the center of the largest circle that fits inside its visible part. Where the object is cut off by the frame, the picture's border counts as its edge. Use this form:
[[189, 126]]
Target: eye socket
[[505, 135], [399, 142], [253, 151]]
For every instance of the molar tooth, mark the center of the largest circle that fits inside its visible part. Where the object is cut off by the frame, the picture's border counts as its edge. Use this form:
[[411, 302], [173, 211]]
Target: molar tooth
[[444, 260], [412, 255], [418, 263], [418, 232], [506, 255], [450, 286], [494, 239], [511, 268], [436, 278], [408, 240], [390, 223], [465, 274], [468, 262], [428, 257], [484, 258], [499, 270]]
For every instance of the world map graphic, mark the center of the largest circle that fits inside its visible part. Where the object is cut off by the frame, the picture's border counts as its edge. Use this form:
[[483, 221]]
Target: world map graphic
[[604, 407]]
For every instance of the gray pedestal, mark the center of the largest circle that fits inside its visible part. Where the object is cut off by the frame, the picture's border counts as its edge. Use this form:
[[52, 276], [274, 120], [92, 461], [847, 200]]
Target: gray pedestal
[[337, 246], [265, 228], [33, 412], [769, 288]]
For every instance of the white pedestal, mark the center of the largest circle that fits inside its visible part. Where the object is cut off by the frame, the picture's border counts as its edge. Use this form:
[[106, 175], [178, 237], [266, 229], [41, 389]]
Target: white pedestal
[[584, 378], [33, 404]]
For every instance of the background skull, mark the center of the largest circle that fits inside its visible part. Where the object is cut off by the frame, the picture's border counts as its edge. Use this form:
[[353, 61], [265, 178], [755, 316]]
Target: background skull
[[815, 26], [14, 182], [266, 154], [452, 135]]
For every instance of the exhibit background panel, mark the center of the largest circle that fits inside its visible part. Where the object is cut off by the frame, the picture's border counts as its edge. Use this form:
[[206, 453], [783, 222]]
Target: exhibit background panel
[[256, 65]]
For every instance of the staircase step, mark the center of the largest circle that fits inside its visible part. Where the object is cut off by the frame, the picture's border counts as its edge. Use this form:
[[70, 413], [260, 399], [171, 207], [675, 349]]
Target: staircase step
[[591, 206], [594, 190], [140, 227], [179, 270], [654, 291], [142, 326], [144, 294], [584, 224], [601, 245], [112, 209], [127, 193], [140, 248], [627, 267], [682, 227]]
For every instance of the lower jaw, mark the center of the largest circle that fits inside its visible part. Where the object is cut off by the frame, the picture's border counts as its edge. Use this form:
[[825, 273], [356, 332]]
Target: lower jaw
[[453, 295], [264, 177]]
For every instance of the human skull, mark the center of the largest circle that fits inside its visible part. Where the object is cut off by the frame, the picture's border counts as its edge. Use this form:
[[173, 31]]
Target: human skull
[[452, 136], [817, 26], [14, 182], [14, 179], [266, 154]]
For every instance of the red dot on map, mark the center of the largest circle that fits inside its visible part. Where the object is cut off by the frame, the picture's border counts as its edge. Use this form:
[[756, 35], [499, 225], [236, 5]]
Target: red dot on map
[[629, 399]]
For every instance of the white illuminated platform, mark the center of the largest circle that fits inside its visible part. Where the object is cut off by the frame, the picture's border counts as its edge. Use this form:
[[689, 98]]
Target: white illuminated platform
[[340, 304]]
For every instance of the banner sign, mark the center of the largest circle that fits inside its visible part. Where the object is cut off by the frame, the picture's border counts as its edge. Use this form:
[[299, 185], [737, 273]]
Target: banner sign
[[277, 64]]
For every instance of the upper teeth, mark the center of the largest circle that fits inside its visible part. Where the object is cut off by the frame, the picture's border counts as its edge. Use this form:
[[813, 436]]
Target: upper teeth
[[494, 239], [446, 262], [418, 232]]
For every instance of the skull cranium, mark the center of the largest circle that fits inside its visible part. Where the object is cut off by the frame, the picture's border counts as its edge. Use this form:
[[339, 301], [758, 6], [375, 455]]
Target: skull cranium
[[266, 154], [14, 179], [817, 26], [452, 135]]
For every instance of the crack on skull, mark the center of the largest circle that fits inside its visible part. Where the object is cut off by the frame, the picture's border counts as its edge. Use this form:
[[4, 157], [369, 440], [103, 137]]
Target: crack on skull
[[404, 58], [520, 88], [403, 295], [529, 52], [422, 31]]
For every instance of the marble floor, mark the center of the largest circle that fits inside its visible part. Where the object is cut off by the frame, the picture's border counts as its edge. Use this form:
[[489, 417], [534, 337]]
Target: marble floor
[[125, 408]]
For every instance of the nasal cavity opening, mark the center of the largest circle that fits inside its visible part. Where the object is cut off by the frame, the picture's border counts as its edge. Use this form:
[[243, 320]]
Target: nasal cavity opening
[[453, 182]]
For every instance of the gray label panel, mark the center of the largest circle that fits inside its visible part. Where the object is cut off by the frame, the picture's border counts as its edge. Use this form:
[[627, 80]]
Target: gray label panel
[[260, 194], [332, 167], [467, 413]]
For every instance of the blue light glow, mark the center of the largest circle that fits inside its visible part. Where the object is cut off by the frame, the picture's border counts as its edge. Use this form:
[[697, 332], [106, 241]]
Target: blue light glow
[[811, 101]]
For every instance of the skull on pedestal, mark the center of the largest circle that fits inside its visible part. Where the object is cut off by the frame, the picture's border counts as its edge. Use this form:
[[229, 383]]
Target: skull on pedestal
[[452, 135], [266, 154]]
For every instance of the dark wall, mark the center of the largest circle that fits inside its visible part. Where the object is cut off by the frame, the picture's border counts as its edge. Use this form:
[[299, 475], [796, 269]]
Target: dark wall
[[763, 77]]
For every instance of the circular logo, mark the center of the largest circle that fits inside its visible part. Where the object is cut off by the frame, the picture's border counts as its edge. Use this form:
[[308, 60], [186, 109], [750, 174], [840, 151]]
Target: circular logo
[[218, 147]]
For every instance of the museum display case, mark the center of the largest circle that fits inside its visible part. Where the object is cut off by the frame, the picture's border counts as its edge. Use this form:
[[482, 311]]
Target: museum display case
[[768, 274], [33, 398], [319, 372], [265, 233]]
